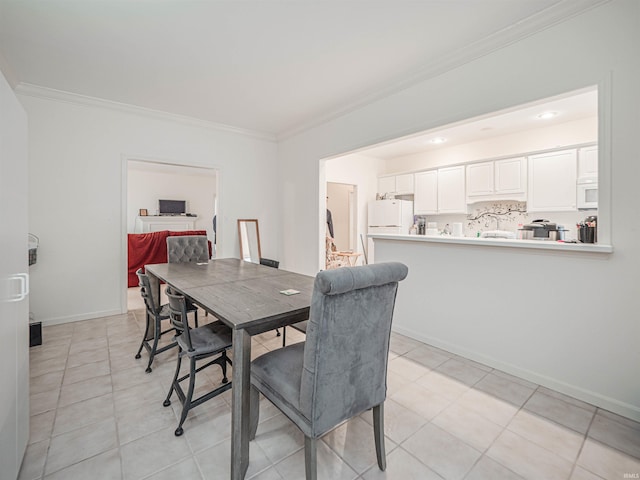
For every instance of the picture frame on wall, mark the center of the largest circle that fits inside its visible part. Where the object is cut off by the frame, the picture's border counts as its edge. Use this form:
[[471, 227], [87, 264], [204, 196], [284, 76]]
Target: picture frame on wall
[[143, 212]]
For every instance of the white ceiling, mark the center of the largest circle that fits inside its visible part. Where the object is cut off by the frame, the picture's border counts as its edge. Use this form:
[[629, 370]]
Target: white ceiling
[[569, 107], [266, 66]]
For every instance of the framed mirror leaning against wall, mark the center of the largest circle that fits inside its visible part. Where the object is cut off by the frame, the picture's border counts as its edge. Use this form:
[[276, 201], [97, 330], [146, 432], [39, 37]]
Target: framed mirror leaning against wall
[[249, 236]]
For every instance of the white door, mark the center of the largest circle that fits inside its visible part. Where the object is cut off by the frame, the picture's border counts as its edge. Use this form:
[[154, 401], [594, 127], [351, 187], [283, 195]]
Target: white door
[[14, 304]]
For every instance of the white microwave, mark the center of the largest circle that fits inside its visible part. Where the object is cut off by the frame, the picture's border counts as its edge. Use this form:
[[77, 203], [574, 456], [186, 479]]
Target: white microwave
[[587, 194]]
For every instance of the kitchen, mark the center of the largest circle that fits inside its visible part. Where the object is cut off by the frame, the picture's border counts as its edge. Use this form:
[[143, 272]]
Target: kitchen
[[472, 290], [493, 178]]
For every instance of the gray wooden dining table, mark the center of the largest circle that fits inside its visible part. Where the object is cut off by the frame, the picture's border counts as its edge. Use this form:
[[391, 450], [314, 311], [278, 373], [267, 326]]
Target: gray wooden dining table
[[247, 297]]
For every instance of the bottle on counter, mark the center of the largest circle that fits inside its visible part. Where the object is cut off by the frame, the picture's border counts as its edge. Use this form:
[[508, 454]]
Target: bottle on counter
[[413, 230]]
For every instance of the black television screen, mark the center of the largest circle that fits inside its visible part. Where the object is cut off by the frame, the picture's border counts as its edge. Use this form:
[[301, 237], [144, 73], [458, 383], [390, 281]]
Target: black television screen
[[172, 207]]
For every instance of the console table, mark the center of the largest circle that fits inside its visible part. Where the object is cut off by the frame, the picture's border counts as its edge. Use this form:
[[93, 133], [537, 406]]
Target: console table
[[157, 223]]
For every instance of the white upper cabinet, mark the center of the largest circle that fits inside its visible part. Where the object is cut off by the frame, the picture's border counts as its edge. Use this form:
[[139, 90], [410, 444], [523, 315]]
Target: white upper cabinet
[[588, 163], [386, 185], [451, 190], [497, 180], [404, 183], [480, 179], [552, 181], [425, 200], [396, 184]]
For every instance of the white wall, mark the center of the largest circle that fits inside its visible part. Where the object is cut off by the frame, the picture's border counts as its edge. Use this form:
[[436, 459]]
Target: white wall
[[588, 352], [363, 172], [77, 178], [146, 186]]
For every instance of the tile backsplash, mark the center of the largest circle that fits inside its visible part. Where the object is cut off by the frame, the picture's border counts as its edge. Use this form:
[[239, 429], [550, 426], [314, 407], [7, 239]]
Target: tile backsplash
[[508, 215]]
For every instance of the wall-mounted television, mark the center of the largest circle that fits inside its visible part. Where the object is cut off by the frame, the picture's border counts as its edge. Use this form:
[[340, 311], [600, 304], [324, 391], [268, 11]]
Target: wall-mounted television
[[172, 207]]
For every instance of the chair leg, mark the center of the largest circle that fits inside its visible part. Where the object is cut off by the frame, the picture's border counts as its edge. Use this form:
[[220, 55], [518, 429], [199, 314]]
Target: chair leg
[[144, 337], [277, 332], [187, 400], [195, 315], [156, 338], [223, 365], [284, 336], [167, 400], [310, 459], [378, 432], [254, 412]]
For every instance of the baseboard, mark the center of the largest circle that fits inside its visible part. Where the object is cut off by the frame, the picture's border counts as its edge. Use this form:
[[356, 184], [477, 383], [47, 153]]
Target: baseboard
[[607, 403], [79, 318]]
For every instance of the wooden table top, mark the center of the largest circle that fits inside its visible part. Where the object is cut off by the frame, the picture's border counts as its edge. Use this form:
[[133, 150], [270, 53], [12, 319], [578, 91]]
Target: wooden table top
[[241, 294]]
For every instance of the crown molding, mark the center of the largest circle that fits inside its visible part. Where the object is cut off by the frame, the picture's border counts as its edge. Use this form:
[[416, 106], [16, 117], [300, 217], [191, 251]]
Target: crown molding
[[532, 25], [30, 90]]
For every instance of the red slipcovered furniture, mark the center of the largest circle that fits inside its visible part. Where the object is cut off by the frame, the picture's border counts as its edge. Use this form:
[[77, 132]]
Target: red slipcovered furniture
[[147, 248]]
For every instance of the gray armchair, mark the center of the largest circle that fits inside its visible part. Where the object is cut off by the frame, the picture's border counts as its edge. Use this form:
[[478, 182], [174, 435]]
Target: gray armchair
[[187, 248], [341, 369]]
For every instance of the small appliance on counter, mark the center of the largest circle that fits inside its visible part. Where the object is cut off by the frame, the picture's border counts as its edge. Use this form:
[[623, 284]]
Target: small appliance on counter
[[588, 230], [541, 229]]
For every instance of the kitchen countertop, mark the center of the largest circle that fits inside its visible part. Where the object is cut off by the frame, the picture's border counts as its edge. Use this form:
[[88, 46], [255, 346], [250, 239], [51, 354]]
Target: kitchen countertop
[[498, 242]]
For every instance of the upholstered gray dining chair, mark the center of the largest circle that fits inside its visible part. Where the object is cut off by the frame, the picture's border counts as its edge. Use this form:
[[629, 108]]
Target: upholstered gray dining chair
[[341, 369], [156, 313], [187, 248]]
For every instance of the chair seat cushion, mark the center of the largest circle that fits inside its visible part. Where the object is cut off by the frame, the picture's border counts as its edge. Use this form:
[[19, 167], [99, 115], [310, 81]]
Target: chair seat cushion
[[277, 375], [208, 339], [300, 326], [164, 310]]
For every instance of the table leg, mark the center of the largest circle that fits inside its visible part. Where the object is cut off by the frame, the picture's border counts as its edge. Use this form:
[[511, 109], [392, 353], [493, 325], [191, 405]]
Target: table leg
[[240, 404], [154, 283]]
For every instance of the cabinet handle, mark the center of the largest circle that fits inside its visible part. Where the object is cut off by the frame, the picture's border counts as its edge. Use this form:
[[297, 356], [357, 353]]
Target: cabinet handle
[[20, 293]]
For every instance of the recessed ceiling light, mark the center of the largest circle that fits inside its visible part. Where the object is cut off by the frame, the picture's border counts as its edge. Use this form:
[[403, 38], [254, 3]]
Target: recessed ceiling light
[[438, 140], [547, 115]]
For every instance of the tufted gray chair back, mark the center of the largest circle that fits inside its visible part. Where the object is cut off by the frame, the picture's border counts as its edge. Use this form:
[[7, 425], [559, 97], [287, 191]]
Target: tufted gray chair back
[[187, 248], [345, 355]]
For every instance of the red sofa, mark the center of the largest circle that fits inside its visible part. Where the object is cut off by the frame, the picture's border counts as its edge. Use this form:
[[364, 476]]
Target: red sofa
[[148, 248]]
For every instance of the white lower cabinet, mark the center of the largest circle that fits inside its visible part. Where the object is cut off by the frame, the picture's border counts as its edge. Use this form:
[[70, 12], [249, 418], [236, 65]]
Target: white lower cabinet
[[552, 181]]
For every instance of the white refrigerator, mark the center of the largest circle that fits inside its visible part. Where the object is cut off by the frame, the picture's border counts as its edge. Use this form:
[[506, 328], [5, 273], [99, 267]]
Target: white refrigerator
[[388, 216]]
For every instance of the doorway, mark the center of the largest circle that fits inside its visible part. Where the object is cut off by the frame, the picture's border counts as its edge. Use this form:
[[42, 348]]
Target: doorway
[[148, 181], [342, 202]]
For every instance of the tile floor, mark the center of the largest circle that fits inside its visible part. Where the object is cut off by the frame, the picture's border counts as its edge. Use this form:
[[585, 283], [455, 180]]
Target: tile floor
[[95, 413]]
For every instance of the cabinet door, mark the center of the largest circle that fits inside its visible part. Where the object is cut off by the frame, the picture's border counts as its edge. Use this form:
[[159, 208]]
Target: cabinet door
[[404, 183], [425, 200], [588, 162], [386, 185], [510, 175], [552, 182], [479, 179], [451, 190]]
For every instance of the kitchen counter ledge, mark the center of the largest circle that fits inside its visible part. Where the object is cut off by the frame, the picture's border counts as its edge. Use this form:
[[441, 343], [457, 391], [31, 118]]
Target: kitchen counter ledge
[[499, 242]]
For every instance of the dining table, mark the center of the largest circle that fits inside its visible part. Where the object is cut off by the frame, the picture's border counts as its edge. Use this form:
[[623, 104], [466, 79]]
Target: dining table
[[250, 298]]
